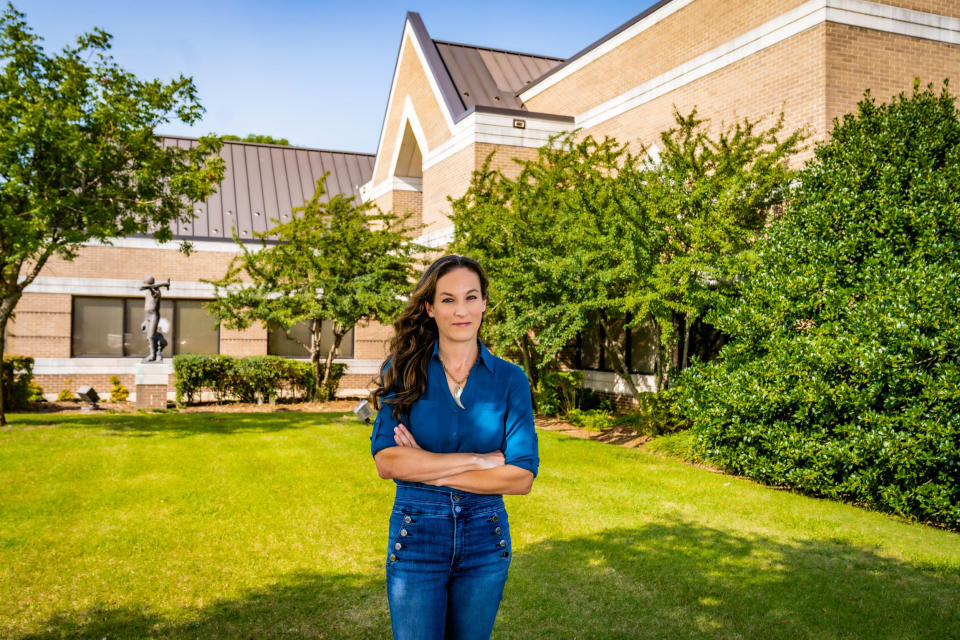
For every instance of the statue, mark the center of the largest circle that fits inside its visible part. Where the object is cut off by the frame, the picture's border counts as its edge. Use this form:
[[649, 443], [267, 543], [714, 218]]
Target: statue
[[151, 321]]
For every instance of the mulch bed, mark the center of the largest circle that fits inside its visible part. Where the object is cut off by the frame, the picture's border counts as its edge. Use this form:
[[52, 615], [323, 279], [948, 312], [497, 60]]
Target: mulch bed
[[617, 435]]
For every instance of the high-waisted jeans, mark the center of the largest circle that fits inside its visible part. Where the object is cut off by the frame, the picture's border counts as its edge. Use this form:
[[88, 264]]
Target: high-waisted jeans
[[447, 561]]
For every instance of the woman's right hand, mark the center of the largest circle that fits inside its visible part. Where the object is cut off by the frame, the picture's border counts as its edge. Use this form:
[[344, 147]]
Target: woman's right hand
[[491, 460]]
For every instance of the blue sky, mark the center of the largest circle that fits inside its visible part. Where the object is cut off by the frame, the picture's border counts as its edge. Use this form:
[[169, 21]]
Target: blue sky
[[317, 73]]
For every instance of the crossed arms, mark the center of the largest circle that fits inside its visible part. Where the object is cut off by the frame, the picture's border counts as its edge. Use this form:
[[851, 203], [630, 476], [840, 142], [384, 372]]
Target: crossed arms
[[473, 472]]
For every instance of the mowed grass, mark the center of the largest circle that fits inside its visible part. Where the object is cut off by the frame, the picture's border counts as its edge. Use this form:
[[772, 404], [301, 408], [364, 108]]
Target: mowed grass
[[274, 526]]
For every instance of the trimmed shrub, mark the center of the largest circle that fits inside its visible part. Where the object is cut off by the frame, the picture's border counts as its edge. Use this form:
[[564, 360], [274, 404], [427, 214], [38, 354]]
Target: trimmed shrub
[[18, 386], [250, 379], [842, 378], [118, 392]]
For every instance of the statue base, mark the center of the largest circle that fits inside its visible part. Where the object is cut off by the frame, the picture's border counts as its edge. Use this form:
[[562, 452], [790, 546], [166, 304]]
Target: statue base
[[152, 380]]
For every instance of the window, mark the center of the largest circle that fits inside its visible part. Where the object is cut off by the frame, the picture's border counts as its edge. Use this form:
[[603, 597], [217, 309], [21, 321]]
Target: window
[[278, 344], [638, 345], [111, 327]]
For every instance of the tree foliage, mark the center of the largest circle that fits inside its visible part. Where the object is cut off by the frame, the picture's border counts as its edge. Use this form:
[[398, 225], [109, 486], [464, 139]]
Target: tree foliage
[[259, 138], [561, 242], [843, 376], [79, 157], [710, 197], [334, 260], [589, 233]]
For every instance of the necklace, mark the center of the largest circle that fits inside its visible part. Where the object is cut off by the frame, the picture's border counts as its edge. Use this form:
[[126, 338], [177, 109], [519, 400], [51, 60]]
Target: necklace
[[458, 390]]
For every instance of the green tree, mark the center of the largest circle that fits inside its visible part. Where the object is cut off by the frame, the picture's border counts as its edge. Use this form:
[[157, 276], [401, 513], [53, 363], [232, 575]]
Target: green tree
[[558, 242], [79, 159], [709, 198], [843, 374], [254, 137], [590, 234], [335, 260]]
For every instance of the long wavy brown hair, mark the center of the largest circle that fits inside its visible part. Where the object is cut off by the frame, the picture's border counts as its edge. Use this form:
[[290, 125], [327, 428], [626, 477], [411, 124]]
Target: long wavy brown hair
[[403, 375]]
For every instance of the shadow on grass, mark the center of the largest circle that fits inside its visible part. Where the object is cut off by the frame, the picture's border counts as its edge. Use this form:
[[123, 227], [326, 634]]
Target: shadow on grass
[[181, 424], [663, 580], [303, 605]]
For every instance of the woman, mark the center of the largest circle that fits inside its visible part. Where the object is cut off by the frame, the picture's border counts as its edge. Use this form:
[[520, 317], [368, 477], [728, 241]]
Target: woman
[[455, 432]]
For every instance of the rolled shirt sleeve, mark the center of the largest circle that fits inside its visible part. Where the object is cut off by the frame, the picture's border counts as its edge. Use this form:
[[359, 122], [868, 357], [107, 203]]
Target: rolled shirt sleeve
[[520, 446], [383, 425]]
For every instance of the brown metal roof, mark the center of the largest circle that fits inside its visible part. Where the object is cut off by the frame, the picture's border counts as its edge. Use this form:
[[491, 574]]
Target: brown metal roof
[[491, 77], [266, 181]]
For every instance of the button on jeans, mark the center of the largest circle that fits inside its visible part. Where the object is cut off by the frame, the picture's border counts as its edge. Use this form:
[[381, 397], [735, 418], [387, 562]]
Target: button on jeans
[[447, 561]]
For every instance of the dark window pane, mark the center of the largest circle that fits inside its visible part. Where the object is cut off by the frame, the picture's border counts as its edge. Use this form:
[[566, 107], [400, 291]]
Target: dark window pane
[[196, 329], [97, 327], [642, 348], [617, 325], [134, 337], [326, 340], [590, 346], [279, 345]]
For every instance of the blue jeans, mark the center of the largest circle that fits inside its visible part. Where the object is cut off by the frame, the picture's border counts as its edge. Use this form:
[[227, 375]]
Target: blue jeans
[[447, 562]]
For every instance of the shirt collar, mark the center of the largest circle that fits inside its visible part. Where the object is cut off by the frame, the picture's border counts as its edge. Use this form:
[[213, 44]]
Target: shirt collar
[[485, 356]]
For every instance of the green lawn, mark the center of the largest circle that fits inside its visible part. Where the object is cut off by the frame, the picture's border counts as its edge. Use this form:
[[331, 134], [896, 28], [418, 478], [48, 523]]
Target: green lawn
[[274, 526]]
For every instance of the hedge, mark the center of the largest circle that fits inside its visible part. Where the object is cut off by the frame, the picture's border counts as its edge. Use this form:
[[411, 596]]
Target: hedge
[[842, 377], [249, 379]]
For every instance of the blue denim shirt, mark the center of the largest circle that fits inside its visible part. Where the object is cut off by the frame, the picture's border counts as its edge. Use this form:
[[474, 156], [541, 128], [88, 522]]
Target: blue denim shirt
[[497, 414]]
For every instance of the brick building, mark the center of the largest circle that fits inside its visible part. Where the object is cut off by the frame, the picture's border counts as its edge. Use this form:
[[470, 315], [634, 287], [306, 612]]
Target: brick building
[[451, 104]]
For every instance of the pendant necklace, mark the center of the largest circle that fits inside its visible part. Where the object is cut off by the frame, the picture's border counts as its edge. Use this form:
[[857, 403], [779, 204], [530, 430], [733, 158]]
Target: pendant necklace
[[460, 384]]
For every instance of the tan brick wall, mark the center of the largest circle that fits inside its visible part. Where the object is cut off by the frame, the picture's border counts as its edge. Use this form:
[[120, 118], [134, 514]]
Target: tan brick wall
[[689, 32], [409, 202], [504, 158], [151, 396], [885, 63], [411, 81], [355, 381], [251, 341], [41, 326], [371, 341], [124, 262], [449, 177], [55, 383], [788, 76], [940, 7]]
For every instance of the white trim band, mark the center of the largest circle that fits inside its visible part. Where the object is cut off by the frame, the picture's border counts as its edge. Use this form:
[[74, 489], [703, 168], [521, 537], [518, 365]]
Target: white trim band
[[114, 287], [438, 238], [226, 245]]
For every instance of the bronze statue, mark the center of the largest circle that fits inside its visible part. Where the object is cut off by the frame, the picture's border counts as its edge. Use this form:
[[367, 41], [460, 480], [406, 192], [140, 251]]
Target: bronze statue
[[151, 321]]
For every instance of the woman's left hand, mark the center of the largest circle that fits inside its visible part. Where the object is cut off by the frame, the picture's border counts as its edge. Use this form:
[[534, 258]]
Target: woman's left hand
[[403, 437]]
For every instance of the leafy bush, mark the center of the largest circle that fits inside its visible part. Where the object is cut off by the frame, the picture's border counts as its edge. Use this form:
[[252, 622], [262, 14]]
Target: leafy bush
[[843, 375], [250, 379], [66, 395], [678, 445], [559, 392], [36, 392], [591, 419], [18, 386], [659, 412], [118, 392]]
